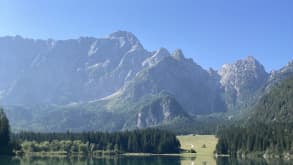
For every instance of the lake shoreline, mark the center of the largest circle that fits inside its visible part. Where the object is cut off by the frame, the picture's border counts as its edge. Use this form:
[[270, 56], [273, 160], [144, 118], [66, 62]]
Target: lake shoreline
[[99, 154]]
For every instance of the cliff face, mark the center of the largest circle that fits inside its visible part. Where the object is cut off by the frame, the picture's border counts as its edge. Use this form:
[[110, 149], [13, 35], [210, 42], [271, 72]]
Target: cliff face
[[61, 72], [158, 111], [241, 81]]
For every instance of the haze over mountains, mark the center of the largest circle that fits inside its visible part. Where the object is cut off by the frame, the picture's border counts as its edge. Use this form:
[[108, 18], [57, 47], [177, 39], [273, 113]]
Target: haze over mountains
[[113, 83]]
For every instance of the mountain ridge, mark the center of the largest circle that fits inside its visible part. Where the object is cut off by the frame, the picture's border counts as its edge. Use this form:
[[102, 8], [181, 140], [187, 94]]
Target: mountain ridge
[[115, 79]]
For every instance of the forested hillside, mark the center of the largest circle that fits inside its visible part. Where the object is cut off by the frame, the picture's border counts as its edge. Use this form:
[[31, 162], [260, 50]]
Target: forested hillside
[[268, 131], [277, 105], [257, 139]]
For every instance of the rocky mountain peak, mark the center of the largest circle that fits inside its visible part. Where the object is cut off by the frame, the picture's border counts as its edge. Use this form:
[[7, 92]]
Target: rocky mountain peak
[[289, 66], [248, 62], [249, 59], [162, 51], [251, 63], [125, 36], [178, 54], [242, 79], [283, 73], [157, 56], [241, 69]]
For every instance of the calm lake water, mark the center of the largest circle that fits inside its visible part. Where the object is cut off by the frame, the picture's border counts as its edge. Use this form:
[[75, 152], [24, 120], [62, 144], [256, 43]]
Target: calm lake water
[[155, 160]]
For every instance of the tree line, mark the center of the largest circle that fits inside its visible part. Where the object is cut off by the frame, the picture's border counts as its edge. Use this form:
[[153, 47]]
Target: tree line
[[5, 144], [140, 141], [271, 139]]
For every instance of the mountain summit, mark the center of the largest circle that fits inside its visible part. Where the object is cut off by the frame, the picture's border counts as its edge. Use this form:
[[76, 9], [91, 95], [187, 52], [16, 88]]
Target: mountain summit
[[125, 36], [242, 80]]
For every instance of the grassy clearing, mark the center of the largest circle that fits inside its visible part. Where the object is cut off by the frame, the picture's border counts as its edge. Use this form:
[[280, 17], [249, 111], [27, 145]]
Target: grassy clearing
[[204, 155], [198, 142]]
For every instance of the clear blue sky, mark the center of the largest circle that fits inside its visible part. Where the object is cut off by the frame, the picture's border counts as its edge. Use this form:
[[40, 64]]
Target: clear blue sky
[[212, 32]]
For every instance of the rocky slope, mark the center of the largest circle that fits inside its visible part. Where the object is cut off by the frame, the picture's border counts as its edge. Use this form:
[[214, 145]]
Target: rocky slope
[[278, 76], [276, 105], [113, 83], [193, 87], [107, 79], [60, 72], [242, 81]]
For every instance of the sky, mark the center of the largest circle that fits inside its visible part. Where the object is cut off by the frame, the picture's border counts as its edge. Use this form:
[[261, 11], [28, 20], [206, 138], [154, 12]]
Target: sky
[[212, 32]]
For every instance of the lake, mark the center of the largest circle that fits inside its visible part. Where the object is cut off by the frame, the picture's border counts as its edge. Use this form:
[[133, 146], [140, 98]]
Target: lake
[[130, 160]]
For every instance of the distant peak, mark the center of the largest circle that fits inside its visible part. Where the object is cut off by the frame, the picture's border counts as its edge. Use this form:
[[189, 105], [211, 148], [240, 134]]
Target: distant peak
[[289, 66], [178, 54], [125, 35], [162, 51], [249, 63], [250, 58]]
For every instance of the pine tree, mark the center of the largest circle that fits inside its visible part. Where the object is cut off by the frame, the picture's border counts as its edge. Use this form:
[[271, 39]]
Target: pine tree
[[4, 133]]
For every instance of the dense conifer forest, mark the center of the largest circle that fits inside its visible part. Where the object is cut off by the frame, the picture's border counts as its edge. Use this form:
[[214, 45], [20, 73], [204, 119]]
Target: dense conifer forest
[[257, 138], [137, 141], [5, 144]]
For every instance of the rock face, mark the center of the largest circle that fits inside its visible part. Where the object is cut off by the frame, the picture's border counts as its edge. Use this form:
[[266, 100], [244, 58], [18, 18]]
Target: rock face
[[163, 109], [112, 74], [193, 87], [113, 83], [242, 80], [280, 75], [60, 72]]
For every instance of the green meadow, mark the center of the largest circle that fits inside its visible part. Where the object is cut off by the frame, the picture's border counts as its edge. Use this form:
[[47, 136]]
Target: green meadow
[[204, 146]]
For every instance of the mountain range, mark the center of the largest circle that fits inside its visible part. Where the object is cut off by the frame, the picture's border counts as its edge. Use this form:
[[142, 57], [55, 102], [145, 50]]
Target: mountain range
[[114, 83]]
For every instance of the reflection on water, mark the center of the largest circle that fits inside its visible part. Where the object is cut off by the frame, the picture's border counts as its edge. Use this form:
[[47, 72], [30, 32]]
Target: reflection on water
[[229, 161], [90, 161], [155, 160]]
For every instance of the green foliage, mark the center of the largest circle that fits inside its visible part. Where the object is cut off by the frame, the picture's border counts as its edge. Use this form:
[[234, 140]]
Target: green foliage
[[271, 134], [144, 141], [256, 138], [5, 146], [277, 105], [55, 146]]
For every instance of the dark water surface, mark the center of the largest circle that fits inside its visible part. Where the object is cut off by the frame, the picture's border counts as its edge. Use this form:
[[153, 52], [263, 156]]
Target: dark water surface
[[152, 160]]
